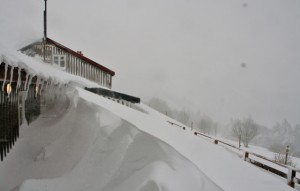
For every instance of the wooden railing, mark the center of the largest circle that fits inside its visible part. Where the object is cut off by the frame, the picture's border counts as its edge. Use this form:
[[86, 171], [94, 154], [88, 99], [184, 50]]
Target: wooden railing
[[256, 159]]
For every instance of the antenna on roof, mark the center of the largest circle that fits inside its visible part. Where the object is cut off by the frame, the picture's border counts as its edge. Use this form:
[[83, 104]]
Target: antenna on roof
[[45, 21]]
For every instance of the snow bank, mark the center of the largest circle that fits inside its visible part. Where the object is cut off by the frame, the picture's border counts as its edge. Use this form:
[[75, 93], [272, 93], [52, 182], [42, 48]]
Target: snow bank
[[225, 168], [78, 145]]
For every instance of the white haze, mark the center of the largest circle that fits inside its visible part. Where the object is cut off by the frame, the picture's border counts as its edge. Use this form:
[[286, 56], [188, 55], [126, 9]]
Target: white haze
[[226, 58]]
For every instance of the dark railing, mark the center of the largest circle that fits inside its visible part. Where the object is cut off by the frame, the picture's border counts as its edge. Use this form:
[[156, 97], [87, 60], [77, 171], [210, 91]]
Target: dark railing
[[114, 95], [12, 106], [9, 123]]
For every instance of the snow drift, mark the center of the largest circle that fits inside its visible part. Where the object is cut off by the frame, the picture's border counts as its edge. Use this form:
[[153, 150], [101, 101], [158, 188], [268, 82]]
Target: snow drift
[[76, 145]]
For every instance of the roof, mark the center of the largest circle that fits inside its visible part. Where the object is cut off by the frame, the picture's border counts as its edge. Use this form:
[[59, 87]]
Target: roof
[[74, 53]]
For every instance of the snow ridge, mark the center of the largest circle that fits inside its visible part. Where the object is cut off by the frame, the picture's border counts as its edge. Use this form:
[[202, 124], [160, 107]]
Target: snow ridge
[[77, 145]]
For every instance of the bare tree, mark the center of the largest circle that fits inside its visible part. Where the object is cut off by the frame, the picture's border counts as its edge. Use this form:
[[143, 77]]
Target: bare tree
[[183, 116], [161, 106], [281, 158], [245, 130], [236, 127], [249, 131], [215, 129], [206, 124]]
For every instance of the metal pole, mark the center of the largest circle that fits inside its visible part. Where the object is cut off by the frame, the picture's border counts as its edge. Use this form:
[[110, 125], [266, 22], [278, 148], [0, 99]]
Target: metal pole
[[45, 21]]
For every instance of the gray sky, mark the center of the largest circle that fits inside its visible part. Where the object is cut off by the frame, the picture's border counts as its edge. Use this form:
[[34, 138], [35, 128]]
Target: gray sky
[[226, 58]]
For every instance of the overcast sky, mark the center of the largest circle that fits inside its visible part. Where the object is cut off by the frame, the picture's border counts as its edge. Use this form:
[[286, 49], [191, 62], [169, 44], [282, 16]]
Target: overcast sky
[[225, 58]]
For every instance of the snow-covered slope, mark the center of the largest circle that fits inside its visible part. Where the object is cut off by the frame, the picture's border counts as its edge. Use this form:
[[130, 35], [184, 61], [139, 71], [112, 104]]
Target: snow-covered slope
[[76, 145], [87, 142]]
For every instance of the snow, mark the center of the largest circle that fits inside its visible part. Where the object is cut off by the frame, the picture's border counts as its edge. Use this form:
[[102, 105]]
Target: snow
[[76, 145], [35, 67], [263, 152], [225, 168], [87, 142]]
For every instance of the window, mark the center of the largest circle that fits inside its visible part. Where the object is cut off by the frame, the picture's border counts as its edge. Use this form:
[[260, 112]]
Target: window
[[62, 61], [59, 60]]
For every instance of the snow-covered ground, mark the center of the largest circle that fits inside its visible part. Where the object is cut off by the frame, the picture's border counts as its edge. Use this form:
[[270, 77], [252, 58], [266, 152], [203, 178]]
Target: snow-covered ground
[[87, 142], [262, 151], [84, 142]]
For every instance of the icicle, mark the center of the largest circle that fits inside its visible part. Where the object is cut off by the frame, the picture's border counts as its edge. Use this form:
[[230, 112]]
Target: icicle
[[47, 87], [5, 75], [29, 82], [37, 84], [28, 85], [42, 86], [11, 74], [49, 96], [49, 91], [26, 81], [19, 78]]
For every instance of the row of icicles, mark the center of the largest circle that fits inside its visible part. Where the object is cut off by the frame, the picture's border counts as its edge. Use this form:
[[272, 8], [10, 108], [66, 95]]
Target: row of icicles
[[41, 84]]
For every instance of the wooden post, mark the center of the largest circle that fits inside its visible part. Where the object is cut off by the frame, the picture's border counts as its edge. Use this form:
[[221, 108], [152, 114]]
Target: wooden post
[[216, 141], [239, 141], [286, 154], [246, 156], [290, 177]]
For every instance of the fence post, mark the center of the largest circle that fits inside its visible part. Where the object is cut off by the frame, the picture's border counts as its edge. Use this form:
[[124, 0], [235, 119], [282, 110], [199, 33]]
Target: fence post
[[216, 141], [290, 177], [246, 156]]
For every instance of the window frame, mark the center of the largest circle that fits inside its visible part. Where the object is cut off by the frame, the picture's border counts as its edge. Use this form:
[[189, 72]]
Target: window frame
[[58, 59]]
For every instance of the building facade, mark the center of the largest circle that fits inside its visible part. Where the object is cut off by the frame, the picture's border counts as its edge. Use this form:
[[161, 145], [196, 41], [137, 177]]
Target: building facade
[[70, 61]]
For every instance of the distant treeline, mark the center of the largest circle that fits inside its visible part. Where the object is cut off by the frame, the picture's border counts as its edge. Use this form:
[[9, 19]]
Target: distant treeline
[[275, 138]]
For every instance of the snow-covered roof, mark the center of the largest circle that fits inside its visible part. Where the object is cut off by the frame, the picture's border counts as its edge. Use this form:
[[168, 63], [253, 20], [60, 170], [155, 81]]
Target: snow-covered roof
[[36, 67]]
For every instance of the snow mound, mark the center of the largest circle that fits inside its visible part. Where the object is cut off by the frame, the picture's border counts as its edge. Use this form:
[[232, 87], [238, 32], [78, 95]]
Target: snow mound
[[77, 145]]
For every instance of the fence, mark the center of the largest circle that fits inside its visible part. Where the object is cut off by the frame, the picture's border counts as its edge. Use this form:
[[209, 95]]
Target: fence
[[11, 113], [284, 171], [9, 123]]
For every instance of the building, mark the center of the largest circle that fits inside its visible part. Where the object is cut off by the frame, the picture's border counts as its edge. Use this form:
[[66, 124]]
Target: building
[[23, 93], [70, 61]]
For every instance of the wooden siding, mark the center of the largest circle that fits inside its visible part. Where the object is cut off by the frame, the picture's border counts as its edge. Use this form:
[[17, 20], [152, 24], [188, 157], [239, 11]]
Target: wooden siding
[[75, 63]]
